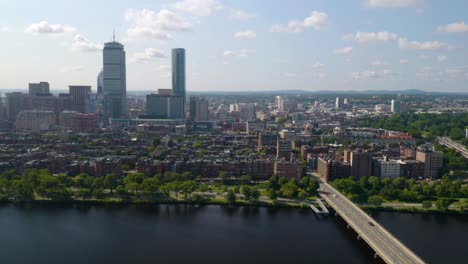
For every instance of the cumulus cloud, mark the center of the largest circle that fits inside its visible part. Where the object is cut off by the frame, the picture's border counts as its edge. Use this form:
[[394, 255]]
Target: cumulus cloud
[[377, 75], [44, 27], [441, 58], [248, 34], [198, 7], [364, 37], [4, 29], [159, 25], [394, 3], [405, 44], [344, 50], [241, 15], [147, 55], [457, 27], [242, 53], [404, 61], [317, 20], [82, 44], [317, 65]]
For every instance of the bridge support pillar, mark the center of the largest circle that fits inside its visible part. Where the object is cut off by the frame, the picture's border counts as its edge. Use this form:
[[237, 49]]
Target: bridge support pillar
[[358, 237], [348, 226], [376, 256]]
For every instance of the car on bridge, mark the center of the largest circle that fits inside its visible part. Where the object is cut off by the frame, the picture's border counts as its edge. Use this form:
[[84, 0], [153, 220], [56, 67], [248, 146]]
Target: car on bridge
[[370, 223]]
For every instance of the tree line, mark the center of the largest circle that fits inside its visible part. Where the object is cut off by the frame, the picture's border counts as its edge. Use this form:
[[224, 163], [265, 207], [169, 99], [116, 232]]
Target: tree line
[[375, 190]]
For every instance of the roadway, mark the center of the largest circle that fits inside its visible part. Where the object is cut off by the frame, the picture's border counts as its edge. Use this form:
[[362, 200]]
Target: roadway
[[390, 249], [454, 145]]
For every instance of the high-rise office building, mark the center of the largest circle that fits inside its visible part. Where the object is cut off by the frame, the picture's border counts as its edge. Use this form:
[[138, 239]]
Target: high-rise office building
[[178, 74], [164, 106], [100, 82], [198, 109], [114, 80], [15, 103], [39, 88], [80, 98], [338, 103], [395, 107]]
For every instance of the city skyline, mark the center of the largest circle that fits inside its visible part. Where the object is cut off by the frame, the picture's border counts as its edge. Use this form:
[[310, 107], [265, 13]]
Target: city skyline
[[242, 46]]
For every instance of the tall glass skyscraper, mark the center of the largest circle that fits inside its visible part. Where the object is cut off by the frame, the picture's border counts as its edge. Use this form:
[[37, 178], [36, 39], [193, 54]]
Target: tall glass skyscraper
[[178, 74], [114, 80]]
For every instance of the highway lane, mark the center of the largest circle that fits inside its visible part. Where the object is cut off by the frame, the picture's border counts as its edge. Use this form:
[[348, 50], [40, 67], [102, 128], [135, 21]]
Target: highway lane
[[386, 245], [454, 145], [371, 234]]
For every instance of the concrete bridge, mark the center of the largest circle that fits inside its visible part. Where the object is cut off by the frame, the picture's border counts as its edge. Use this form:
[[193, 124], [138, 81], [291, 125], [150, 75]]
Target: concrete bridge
[[454, 145], [385, 245]]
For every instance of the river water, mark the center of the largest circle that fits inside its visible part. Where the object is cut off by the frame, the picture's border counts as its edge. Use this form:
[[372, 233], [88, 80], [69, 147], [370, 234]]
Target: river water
[[211, 234]]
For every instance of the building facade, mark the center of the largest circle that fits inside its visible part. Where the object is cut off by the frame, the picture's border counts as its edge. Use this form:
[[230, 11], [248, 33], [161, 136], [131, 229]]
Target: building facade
[[178, 74], [80, 98], [114, 80]]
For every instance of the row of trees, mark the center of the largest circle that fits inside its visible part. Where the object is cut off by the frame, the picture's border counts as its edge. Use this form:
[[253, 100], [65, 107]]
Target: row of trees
[[374, 190], [293, 189], [427, 126]]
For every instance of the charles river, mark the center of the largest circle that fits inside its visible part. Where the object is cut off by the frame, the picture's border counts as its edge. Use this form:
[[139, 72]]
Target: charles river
[[211, 234]]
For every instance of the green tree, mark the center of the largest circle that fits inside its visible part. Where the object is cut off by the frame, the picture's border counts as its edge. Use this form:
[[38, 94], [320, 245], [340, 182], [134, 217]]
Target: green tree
[[21, 191], [255, 194], [442, 203], [290, 189], [273, 183], [246, 191], [231, 197], [426, 204], [375, 200], [110, 182]]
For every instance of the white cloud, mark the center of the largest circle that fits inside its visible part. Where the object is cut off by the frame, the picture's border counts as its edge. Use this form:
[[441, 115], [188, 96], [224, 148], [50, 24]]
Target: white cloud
[[198, 7], [344, 50], [316, 20], [317, 65], [164, 70], [377, 75], [404, 61], [76, 68], [82, 44], [457, 27], [379, 63], [393, 3], [44, 27], [248, 34], [159, 25], [241, 15], [147, 55], [416, 45], [441, 58], [364, 37], [242, 53], [4, 29]]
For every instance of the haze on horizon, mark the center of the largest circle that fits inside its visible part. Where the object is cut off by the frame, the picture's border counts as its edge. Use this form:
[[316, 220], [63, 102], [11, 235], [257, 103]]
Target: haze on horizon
[[241, 45]]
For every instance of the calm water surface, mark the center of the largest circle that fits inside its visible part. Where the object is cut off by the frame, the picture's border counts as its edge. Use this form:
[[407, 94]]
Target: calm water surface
[[211, 234]]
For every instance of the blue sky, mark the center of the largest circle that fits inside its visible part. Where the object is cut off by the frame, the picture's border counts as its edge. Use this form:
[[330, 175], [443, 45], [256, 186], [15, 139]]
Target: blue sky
[[241, 45]]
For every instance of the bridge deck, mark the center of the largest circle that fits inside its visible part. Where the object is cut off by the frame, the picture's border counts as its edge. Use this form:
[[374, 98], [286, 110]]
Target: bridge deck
[[389, 248]]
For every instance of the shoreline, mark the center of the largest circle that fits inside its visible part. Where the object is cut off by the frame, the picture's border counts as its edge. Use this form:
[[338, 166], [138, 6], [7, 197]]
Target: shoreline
[[117, 203]]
